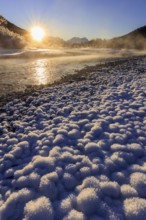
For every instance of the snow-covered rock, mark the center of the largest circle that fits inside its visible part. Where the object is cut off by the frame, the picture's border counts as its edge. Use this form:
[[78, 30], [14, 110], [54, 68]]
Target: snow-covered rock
[[77, 150]]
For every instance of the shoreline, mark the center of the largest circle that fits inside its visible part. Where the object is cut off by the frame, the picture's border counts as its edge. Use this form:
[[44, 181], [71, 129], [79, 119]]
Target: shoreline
[[79, 75], [79, 145]]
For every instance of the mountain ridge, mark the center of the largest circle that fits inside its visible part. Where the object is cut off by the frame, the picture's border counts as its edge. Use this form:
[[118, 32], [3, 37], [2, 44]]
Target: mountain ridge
[[78, 40], [12, 36], [12, 27]]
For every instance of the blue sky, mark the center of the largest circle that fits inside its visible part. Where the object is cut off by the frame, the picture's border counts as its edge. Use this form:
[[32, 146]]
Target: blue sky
[[83, 18]]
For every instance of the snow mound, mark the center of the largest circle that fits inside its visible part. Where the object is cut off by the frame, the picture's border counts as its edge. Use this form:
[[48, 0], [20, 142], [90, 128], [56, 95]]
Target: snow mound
[[75, 215], [135, 209], [87, 201], [40, 208], [138, 181]]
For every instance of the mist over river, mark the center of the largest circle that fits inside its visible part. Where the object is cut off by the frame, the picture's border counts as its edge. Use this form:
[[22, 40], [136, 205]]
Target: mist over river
[[19, 69]]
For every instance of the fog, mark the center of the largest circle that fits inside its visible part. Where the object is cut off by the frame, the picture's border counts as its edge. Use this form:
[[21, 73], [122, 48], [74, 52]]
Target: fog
[[22, 68], [79, 53]]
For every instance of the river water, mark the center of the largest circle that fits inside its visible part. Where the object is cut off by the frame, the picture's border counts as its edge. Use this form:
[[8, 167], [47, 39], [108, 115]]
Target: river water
[[19, 69]]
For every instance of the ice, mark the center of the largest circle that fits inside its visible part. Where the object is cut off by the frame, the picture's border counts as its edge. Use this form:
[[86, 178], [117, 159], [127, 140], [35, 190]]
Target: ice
[[77, 150]]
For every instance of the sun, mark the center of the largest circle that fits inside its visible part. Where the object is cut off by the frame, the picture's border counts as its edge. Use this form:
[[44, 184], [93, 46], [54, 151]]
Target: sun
[[37, 33]]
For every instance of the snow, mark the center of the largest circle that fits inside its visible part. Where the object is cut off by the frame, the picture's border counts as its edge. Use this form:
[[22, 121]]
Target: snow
[[138, 181], [111, 189], [135, 208], [47, 187], [74, 214], [88, 201], [77, 150], [40, 208]]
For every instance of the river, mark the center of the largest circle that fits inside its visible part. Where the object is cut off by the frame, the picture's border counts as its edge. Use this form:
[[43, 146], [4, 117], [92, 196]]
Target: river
[[19, 69]]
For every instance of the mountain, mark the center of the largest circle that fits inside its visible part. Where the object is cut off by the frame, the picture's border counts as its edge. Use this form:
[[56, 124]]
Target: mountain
[[12, 27], [136, 33], [54, 42], [77, 40], [11, 36], [133, 40]]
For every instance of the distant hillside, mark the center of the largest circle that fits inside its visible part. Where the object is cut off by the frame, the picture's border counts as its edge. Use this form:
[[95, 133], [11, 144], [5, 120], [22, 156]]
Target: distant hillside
[[54, 42], [138, 32], [11, 36], [77, 40], [133, 40], [12, 27]]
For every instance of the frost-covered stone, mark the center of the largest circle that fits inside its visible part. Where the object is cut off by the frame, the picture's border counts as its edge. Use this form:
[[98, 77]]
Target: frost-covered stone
[[44, 163], [40, 208], [69, 181], [138, 181], [135, 209], [111, 189], [127, 191], [87, 201], [91, 147], [75, 215], [48, 187], [16, 200]]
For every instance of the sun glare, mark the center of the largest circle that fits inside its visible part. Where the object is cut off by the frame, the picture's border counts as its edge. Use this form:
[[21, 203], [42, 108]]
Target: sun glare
[[37, 33]]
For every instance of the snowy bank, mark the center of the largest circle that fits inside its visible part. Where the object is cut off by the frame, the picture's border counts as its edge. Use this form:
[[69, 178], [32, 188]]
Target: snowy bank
[[76, 151]]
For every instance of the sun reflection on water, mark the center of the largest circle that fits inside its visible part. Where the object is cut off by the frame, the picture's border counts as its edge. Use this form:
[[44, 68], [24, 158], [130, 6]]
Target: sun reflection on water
[[41, 72]]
